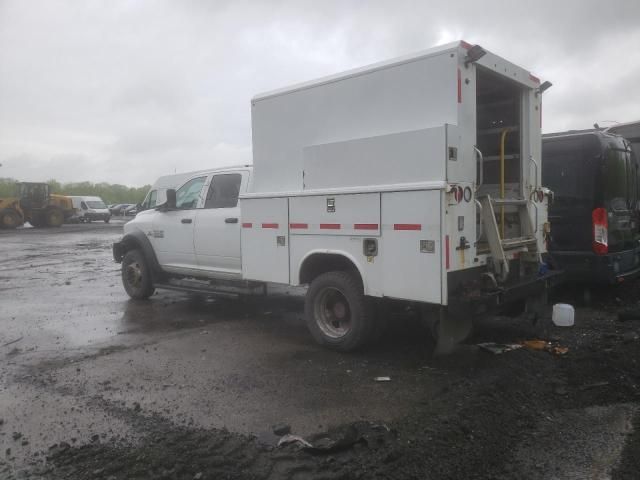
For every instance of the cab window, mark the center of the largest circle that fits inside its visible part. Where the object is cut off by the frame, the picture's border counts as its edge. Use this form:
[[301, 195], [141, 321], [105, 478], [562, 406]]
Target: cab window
[[187, 196], [223, 191], [151, 199]]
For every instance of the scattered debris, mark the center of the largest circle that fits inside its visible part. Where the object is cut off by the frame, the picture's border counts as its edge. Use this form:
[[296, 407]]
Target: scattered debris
[[382, 379], [545, 346], [341, 438], [563, 315], [12, 342], [536, 344], [281, 429], [498, 348], [287, 439], [594, 385]]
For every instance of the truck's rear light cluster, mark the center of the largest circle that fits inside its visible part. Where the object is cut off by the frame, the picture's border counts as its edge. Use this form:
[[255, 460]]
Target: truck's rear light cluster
[[600, 231]]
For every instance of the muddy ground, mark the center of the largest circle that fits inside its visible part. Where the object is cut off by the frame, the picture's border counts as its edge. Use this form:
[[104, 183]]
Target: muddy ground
[[93, 385]]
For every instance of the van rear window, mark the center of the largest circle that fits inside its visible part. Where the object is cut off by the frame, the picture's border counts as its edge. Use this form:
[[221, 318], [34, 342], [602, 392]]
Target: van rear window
[[566, 169]]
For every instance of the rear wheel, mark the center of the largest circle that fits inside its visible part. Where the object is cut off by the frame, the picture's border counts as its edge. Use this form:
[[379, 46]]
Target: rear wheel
[[54, 217], [9, 219], [136, 276], [337, 312]]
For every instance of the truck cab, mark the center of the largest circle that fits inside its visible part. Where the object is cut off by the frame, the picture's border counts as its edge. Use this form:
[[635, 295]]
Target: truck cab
[[197, 233]]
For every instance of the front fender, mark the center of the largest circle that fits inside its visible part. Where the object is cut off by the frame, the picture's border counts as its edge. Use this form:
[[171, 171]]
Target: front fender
[[136, 240]]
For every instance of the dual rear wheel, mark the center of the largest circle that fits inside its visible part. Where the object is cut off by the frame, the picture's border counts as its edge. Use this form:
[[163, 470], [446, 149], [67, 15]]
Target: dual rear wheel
[[339, 316]]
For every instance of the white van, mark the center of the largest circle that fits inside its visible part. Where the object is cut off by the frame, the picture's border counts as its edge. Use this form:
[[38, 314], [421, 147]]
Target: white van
[[90, 209], [157, 194]]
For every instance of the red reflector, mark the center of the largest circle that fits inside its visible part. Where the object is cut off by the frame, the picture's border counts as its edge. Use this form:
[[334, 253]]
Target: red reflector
[[407, 226], [299, 225], [329, 226], [446, 249], [459, 86], [600, 231], [458, 193], [465, 45], [247, 225], [269, 225], [365, 226]]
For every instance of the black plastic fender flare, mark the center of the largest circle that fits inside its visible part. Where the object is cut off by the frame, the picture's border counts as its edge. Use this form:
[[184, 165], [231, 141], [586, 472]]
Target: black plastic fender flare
[[137, 240]]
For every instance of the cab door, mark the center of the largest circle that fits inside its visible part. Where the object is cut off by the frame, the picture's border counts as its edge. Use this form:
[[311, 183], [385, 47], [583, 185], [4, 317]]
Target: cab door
[[172, 233], [217, 225]]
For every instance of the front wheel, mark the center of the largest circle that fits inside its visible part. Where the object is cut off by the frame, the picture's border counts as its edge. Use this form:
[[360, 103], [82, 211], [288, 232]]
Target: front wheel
[[337, 312], [136, 276], [9, 219], [106, 219]]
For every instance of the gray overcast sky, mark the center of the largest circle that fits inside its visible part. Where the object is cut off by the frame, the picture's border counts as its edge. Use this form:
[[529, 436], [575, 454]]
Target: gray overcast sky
[[125, 91]]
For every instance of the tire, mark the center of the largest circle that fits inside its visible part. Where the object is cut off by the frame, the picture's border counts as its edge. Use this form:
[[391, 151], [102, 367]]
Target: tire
[[9, 219], [136, 275], [37, 220], [338, 314], [54, 217], [106, 220]]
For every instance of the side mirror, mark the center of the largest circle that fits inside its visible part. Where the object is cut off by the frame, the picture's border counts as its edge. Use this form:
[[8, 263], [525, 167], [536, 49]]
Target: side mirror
[[171, 199]]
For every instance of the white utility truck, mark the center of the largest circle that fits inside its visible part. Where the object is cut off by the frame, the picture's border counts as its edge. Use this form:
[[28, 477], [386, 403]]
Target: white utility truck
[[415, 179]]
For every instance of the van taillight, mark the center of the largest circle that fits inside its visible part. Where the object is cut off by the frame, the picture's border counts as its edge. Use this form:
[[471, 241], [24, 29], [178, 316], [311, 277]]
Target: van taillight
[[600, 231]]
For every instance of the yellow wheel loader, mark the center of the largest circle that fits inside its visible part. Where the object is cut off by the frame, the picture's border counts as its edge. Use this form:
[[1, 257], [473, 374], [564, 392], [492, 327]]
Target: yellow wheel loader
[[36, 205]]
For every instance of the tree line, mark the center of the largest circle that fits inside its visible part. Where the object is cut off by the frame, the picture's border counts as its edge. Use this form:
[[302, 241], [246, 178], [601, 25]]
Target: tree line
[[110, 193]]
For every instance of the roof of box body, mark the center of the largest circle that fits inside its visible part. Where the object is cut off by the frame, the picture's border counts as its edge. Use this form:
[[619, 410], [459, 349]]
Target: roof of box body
[[361, 70]]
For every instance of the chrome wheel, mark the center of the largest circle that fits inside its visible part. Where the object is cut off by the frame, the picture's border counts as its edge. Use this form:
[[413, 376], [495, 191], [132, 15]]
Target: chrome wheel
[[332, 313]]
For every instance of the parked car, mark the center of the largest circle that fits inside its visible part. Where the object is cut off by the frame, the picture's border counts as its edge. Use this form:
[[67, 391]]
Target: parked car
[[120, 208], [594, 215], [90, 209], [131, 210]]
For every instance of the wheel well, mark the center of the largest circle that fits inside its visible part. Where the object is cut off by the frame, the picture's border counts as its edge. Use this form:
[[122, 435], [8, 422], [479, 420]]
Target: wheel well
[[319, 263]]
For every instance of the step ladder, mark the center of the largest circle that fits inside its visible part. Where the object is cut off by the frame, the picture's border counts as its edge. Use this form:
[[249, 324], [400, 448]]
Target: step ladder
[[525, 243]]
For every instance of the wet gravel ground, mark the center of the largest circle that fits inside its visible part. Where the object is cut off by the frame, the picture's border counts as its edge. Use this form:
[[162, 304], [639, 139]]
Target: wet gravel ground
[[93, 385]]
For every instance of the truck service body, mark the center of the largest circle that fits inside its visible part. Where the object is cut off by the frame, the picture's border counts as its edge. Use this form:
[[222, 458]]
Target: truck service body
[[415, 179]]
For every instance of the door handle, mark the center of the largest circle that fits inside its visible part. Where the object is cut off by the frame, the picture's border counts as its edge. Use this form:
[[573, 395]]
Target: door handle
[[186, 220], [231, 220]]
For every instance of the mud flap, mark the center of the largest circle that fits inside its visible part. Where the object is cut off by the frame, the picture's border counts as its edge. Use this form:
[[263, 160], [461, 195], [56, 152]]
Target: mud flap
[[448, 326]]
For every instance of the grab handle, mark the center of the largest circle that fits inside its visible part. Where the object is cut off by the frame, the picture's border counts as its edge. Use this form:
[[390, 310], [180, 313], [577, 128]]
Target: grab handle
[[479, 236], [534, 184], [481, 171]]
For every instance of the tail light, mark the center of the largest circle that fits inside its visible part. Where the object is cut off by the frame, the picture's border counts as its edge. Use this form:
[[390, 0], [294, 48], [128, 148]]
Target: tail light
[[600, 231]]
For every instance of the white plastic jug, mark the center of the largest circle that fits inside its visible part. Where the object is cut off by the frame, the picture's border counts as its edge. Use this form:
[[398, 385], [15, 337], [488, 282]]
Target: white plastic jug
[[563, 314]]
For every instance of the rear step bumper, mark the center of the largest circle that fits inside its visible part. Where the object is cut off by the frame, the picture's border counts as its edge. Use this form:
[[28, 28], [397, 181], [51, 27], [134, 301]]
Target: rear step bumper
[[507, 294]]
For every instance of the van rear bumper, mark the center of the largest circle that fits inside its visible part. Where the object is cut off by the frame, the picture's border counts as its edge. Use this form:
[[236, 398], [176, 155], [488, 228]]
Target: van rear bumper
[[587, 267]]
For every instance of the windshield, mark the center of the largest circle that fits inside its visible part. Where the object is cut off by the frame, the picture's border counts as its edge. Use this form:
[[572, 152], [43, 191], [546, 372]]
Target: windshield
[[96, 204]]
